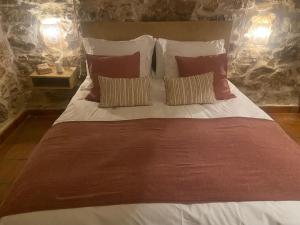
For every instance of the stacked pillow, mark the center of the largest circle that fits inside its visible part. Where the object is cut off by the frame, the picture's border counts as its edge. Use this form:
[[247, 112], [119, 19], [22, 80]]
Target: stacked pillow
[[118, 59], [183, 59], [127, 66], [189, 66], [190, 90], [166, 50], [143, 44], [118, 92], [194, 72]]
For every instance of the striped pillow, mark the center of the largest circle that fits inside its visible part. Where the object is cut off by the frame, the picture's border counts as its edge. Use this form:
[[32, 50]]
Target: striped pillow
[[116, 92], [196, 89]]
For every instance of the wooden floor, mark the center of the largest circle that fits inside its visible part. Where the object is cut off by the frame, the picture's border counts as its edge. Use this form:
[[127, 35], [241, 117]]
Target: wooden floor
[[15, 151], [290, 122]]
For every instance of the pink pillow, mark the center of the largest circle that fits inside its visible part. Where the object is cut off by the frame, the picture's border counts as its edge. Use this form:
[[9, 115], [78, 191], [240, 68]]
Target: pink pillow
[[127, 66], [189, 66]]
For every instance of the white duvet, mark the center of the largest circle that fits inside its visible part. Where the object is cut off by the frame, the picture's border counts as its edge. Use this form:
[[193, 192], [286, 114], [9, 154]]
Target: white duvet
[[231, 213], [81, 110]]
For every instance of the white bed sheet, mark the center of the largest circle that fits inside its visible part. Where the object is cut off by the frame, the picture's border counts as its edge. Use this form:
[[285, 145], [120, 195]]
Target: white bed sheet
[[81, 110], [232, 213]]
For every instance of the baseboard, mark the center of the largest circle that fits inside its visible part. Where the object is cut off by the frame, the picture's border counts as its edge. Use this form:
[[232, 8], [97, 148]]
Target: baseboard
[[12, 126], [23, 115], [280, 109]]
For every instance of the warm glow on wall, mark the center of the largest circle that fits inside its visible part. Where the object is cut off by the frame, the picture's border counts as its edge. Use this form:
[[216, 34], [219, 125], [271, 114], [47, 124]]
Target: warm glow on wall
[[261, 29], [260, 34], [51, 31]]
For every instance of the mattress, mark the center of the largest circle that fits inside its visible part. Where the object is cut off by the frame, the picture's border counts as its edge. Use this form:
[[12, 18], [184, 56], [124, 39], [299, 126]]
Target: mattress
[[81, 110], [229, 213]]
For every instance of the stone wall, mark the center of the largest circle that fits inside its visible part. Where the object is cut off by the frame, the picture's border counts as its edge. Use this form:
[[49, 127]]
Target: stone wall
[[11, 97], [268, 73], [20, 23]]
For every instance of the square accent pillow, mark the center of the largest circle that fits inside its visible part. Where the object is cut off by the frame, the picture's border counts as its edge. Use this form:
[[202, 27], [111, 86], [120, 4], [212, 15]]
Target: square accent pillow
[[127, 66], [196, 89], [124, 92], [166, 50], [189, 66], [143, 44]]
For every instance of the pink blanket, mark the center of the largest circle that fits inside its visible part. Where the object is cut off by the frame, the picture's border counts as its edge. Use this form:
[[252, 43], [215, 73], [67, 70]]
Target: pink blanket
[[80, 164]]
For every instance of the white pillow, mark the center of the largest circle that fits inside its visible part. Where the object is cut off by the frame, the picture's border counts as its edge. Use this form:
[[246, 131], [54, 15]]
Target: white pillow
[[143, 44], [87, 84], [166, 50]]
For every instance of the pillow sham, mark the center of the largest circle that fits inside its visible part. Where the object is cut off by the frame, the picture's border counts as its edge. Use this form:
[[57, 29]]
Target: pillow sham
[[122, 92], [189, 66], [143, 44], [196, 89], [127, 66], [167, 49], [88, 84]]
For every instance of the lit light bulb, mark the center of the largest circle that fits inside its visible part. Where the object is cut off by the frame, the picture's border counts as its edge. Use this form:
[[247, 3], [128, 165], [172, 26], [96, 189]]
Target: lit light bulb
[[50, 30], [52, 33], [259, 34], [50, 21], [262, 32]]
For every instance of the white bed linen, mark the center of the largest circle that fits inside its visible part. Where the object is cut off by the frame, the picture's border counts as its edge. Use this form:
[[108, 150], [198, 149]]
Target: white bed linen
[[244, 213], [235, 213], [81, 110]]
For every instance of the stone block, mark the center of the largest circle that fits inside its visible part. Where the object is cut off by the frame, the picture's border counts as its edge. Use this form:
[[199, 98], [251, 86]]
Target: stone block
[[3, 113], [259, 71]]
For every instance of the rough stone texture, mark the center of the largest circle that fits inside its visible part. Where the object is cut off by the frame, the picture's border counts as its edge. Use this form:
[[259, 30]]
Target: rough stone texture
[[268, 73], [21, 22], [21, 27], [3, 113], [11, 97]]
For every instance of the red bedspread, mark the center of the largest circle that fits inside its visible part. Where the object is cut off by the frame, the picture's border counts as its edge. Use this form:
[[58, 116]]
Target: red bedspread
[[80, 164]]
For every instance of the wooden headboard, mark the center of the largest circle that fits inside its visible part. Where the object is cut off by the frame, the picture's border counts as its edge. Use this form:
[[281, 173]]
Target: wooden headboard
[[181, 31]]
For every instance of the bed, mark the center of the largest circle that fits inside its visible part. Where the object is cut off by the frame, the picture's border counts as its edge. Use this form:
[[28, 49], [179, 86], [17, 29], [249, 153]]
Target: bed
[[153, 171]]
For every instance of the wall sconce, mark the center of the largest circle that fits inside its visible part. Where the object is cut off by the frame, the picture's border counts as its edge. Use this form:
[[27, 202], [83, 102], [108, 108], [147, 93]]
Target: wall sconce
[[53, 36], [51, 31], [260, 30], [260, 34]]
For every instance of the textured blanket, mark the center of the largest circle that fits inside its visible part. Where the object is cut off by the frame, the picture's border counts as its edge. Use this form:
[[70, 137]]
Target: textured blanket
[[79, 164]]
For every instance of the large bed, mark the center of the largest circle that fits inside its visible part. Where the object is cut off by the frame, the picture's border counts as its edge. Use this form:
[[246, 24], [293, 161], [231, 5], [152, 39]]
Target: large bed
[[81, 110], [222, 163]]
